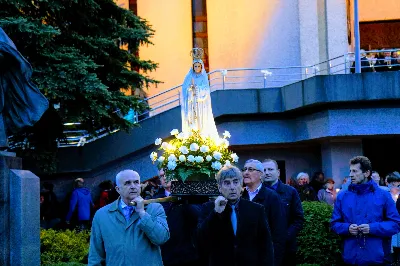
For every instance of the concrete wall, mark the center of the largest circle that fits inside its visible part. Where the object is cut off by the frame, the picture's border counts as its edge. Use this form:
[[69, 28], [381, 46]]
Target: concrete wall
[[372, 10], [172, 41], [253, 34]]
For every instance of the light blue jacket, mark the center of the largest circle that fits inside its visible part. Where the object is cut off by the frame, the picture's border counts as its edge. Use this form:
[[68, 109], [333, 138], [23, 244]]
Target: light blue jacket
[[116, 242]]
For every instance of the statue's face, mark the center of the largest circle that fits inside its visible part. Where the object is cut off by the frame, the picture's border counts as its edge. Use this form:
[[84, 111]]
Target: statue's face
[[197, 67]]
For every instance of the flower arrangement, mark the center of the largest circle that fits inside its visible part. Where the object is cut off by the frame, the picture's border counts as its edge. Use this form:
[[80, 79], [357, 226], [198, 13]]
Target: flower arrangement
[[192, 153]]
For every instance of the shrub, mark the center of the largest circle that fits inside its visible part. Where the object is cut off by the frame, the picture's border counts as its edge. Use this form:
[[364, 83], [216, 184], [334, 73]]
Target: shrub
[[64, 246], [67, 264], [317, 243]]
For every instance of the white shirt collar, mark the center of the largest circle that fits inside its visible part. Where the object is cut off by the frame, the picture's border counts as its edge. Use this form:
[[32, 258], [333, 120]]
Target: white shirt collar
[[167, 193], [123, 205], [254, 193]]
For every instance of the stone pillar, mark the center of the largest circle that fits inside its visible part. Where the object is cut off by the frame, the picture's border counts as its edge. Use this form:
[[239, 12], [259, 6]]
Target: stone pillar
[[4, 212], [25, 217], [19, 212], [336, 155]]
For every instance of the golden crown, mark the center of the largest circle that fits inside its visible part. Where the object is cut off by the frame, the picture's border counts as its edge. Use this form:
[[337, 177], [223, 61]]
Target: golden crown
[[197, 53]]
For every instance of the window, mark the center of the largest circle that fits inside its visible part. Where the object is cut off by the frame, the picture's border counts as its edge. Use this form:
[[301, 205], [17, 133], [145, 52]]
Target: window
[[199, 21]]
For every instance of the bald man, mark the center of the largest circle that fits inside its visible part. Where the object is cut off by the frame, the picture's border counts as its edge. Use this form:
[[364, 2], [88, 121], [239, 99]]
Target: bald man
[[127, 235]]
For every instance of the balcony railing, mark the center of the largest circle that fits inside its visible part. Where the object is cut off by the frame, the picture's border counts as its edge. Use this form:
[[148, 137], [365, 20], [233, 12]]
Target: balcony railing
[[231, 79]]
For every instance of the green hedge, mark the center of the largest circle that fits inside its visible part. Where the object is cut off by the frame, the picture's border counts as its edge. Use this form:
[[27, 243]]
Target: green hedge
[[317, 243], [64, 246]]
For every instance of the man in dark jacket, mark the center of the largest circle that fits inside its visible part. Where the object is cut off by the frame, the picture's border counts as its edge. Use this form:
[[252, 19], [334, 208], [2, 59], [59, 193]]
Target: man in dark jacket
[[234, 231], [253, 174], [182, 220], [365, 216], [82, 201], [292, 208]]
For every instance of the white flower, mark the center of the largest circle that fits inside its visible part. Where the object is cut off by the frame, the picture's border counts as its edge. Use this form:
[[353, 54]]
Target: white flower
[[190, 158], [170, 147], [164, 145], [194, 147], [216, 165], [226, 134], [172, 158], [184, 150], [158, 141], [217, 155], [171, 165], [153, 156], [185, 135], [180, 136], [204, 149], [182, 158], [225, 143], [208, 158], [161, 159], [234, 157], [227, 163], [199, 159], [174, 132]]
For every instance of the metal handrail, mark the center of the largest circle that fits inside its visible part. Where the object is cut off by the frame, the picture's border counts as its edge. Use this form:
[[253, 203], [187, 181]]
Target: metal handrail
[[231, 78]]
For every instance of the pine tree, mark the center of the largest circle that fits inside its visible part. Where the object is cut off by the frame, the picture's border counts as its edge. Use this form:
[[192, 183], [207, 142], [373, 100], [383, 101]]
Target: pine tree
[[74, 47]]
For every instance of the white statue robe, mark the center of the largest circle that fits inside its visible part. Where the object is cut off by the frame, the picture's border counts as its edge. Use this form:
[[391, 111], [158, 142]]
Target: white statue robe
[[197, 116]]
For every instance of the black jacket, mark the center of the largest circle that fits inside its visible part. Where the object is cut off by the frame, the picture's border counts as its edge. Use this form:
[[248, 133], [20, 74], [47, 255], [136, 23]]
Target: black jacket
[[275, 217], [182, 222], [252, 244], [294, 213]]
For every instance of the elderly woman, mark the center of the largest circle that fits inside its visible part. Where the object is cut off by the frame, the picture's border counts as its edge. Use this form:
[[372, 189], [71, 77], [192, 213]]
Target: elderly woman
[[306, 192], [327, 194]]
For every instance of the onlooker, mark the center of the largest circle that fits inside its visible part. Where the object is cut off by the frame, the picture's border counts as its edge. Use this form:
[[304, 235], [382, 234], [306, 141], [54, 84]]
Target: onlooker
[[292, 208], [105, 194], [234, 231], [327, 194], [253, 175], [49, 207], [128, 235], [306, 192], [182, 220], [375, 177], [366, 217], [82, 201], [318, 181]]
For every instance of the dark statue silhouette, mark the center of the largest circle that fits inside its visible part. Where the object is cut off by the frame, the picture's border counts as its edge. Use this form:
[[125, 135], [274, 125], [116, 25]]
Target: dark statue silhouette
[[21, 102]]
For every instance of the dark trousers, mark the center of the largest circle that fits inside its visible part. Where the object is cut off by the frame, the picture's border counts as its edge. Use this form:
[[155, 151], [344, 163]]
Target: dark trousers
[[289, 259]]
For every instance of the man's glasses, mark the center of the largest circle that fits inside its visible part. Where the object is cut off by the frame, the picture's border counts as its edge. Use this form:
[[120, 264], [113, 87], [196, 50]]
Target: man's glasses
[[250, 169]]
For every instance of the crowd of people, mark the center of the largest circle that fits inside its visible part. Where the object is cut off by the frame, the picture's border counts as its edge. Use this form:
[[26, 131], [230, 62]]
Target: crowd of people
[[255, 221], [386, 60]]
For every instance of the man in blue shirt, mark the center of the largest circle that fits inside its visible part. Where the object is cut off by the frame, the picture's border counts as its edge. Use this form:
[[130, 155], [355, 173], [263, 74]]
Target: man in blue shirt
[[366, 217]]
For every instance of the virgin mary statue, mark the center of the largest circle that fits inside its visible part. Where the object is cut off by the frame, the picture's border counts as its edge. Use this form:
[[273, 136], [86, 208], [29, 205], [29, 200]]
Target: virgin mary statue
[[196, 99]]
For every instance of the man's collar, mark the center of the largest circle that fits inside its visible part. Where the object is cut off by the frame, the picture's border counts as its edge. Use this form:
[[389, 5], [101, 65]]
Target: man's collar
[[235, 203], [123, 204], [255, 191]]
